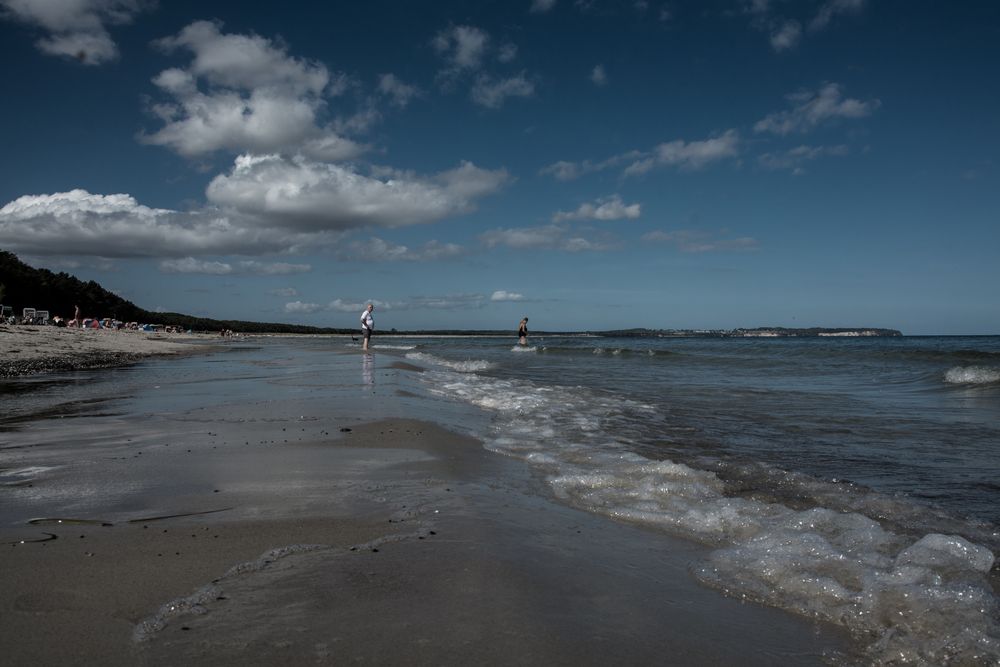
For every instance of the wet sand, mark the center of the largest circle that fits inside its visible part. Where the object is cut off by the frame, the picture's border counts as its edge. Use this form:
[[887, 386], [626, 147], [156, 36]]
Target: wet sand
[[428, 550], [77, 600], [26, 350]]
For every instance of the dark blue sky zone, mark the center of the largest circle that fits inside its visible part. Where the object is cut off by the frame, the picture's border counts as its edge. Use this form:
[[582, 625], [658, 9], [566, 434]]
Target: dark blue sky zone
[[895, 222]]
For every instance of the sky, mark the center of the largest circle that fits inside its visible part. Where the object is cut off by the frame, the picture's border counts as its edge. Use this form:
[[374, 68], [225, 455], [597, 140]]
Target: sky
[[590, 164]]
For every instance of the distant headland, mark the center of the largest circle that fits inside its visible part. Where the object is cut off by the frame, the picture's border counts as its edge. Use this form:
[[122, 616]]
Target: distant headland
[[757, 332]]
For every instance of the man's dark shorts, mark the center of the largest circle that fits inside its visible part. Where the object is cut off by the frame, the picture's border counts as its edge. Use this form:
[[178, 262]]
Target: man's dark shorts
[[367, 333]]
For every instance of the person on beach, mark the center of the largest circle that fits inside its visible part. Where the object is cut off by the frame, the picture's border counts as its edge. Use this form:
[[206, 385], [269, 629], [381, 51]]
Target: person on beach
[[367, 325], [76, 317], [522, 332]]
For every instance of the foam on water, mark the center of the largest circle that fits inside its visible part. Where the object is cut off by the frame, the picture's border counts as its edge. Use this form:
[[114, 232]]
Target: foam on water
[[972, 375], [468, 366], [923, 600]]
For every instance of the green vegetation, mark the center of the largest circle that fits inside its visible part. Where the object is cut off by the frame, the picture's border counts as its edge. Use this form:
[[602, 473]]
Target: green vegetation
[[26, 287]]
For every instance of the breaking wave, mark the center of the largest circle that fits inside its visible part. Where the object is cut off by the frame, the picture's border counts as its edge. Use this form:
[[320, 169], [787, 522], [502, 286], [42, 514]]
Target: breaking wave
[[468, 366], [972, 375]]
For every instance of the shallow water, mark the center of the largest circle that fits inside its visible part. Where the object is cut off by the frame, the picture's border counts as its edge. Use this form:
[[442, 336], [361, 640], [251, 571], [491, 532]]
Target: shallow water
[[169, 435], [852, 480], [918, 416]]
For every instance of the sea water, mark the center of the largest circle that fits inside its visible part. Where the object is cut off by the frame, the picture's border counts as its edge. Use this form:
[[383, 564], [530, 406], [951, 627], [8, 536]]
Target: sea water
[[853, 480]]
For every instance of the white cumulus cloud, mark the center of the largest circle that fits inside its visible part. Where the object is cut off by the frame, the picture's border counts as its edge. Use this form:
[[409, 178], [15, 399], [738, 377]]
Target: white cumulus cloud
[[78, 223], [786, 33], [504, 295], [679, 153], [304, 308], [546, 237], [245, 61], [75, 28], [399, 92], [342, 306], [832, 8], [462, 46], [272, 268], [688, 154], [566, 170], [786, 36], [244, 93], [811, 109], [466, 51], [265, 204], [609, 208], [192, 265], [446, 302], [492, 93], [309, 196]]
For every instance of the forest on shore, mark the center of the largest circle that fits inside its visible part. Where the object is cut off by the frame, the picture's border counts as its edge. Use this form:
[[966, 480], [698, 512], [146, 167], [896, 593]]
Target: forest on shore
[[23, 286]]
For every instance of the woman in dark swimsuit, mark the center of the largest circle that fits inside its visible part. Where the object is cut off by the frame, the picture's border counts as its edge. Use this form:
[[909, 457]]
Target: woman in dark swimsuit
[[522, 332]]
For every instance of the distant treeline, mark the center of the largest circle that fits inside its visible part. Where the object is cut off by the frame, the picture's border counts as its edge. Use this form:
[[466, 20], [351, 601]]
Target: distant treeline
[[22, 286]]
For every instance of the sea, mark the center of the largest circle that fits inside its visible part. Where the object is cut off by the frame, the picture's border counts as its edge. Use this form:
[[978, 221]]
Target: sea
[[854, 480]]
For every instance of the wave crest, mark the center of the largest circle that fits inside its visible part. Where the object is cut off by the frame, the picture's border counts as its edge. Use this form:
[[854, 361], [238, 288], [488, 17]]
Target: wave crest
[[972, 375], [468, 366]]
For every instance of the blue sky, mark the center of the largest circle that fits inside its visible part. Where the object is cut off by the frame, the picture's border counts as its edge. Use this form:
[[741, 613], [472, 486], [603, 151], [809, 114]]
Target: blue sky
[[590, 164]]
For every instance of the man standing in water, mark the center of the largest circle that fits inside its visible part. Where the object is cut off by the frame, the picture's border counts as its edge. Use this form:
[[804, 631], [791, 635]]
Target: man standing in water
[[367, 325]]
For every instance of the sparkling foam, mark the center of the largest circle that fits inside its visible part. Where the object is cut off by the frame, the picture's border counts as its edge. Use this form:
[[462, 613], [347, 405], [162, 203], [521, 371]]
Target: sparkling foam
[[972, 375]]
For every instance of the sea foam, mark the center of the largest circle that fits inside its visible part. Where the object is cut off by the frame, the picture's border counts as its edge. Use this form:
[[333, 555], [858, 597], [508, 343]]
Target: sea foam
[[924, 600], [468, 366], [972, 375]]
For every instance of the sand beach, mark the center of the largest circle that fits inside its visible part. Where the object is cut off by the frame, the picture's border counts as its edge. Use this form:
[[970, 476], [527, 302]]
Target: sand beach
[[26, 350]]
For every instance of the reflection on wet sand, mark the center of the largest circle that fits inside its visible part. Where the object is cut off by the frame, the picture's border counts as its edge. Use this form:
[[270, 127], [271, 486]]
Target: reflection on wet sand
[[368, 368]]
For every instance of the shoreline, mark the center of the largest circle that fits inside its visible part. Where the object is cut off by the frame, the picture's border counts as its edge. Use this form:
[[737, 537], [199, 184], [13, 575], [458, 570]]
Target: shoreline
[[436, 552], [27, 350]]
